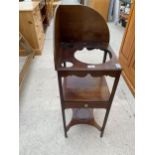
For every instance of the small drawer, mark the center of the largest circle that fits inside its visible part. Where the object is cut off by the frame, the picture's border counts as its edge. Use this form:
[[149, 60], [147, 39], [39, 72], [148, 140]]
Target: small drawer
[[95, 104], [85, 105]]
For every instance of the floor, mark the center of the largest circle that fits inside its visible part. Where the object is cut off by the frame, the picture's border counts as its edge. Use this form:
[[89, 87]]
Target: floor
[[41, 128]]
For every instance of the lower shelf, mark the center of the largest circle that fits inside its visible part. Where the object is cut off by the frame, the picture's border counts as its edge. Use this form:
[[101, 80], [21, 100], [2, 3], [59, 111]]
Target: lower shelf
[[85, 89], [83, 116]]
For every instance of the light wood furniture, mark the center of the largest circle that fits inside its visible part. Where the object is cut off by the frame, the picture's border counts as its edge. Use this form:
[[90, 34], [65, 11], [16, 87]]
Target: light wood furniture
[[55, 4], [46, 10], [28, 55], [101, 6], [30, 25], [49, 7], [83, 86], [127, 51]]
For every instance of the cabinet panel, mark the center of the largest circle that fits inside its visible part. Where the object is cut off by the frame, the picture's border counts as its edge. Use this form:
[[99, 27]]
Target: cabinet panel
[[37, 15], [38, 22], [49, 5], [131, 66], [30, 25], [132, 71], [129, 40], [127, 52], [101, 6], [27, 27]]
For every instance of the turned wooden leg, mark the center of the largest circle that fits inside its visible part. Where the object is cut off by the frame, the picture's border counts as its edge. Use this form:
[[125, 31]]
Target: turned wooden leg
[[64, 122], [104, 123]]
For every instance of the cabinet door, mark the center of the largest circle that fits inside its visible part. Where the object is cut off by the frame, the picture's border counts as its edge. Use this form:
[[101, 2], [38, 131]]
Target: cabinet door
[[132, 70], [128, 40], [127, 52], [101, 6]]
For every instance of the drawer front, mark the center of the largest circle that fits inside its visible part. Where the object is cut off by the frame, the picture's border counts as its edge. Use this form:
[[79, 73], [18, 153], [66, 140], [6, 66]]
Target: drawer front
[[89, 104]]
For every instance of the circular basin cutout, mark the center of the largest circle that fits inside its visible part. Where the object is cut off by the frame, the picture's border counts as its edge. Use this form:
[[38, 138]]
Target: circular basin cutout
[[94, 56], [68, 64]]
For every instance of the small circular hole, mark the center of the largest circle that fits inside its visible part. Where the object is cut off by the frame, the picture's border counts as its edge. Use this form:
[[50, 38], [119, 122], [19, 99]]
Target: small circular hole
[[67, 64]]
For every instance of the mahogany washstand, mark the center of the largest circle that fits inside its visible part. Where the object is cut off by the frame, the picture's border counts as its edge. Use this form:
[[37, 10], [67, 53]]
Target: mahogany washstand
[[83, 86]]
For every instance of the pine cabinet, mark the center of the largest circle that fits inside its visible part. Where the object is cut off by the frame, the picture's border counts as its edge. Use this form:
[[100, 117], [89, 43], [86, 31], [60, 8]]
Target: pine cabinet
[[30, 25], [101, 6], [127, 52], [49, 5]]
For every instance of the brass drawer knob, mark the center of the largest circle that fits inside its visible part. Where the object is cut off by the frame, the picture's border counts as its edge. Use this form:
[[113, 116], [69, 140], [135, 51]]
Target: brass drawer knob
[[86, 105]]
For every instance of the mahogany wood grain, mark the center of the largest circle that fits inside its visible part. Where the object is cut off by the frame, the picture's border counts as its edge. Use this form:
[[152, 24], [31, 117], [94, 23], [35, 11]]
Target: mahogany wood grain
[[83, 116], [83, 87]]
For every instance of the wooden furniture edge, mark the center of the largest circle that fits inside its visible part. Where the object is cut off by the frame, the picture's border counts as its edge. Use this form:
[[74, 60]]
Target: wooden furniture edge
[[25, 69], [132, 89]]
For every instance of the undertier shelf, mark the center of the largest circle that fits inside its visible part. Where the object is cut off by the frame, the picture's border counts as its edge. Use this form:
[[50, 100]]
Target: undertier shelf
[[85, 89]]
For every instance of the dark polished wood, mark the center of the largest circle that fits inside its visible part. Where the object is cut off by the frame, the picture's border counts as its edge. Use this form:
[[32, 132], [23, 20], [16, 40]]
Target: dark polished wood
[[83, 116], [85, 89], [83, 86]]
